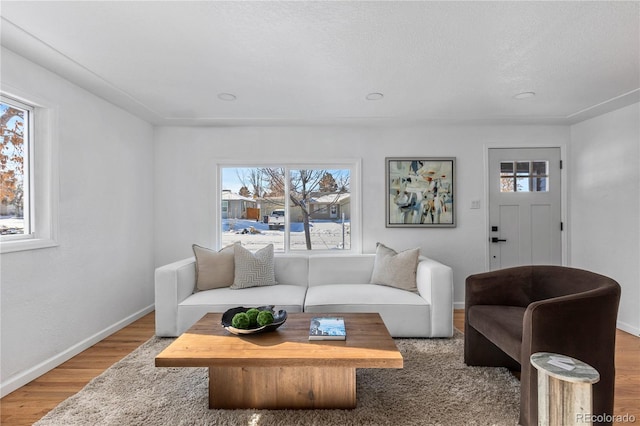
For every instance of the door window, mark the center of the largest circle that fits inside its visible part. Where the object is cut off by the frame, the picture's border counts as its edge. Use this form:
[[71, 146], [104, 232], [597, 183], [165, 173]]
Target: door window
[[524, 176]]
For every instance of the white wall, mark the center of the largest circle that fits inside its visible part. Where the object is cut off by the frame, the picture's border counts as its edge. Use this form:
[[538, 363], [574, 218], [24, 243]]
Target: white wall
[[605, 203], [55, 301], [185, 170]]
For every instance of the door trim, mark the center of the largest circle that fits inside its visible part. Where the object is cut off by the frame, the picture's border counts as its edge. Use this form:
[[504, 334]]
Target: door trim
[[563, 199]]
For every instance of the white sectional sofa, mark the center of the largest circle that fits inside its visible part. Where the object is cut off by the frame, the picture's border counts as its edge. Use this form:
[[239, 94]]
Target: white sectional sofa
[[314, 283]]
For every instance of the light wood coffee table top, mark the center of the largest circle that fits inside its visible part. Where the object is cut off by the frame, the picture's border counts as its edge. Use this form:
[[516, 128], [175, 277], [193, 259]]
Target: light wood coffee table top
[[298, 373]]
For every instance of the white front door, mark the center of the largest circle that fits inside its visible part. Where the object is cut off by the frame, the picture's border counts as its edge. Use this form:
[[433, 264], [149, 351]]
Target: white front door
[[524, 207]]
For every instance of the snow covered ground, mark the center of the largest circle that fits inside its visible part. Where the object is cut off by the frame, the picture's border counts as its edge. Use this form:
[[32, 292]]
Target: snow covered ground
[[11, 225], [255, 235]]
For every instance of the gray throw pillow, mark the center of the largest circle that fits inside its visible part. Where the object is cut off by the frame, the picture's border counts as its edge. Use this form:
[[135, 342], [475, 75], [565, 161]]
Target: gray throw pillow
[[395, 269], [253, 269], [214, 269]]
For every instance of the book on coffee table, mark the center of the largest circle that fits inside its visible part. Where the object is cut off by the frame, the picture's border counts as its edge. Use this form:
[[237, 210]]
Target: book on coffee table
[[327, 328]]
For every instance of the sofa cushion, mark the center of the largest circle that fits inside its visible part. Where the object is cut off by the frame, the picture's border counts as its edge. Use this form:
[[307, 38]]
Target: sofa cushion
[[405, 314], [214, 269], [500, 324], [359, 294], [283, 296], [253, 269], [395, 269]]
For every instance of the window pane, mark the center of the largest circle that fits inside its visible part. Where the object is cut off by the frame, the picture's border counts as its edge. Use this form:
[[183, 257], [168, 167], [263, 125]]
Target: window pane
[[13, 165], [540, 184], [539, 168], [507, 184], [320, 212], [523, 168], [522, 185], [248, 200], [506, 168]]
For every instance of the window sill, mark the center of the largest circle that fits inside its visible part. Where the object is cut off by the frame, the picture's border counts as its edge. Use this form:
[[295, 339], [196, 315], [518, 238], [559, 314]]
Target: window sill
[[26, 244]]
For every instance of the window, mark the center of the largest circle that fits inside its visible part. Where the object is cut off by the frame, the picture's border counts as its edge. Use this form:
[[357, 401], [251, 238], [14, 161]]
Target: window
[[524, 176], [16, 123], [28, 197], [295, 207]]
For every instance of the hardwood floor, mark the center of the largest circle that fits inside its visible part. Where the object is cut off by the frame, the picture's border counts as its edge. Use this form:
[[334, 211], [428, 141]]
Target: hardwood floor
[[32, 401]]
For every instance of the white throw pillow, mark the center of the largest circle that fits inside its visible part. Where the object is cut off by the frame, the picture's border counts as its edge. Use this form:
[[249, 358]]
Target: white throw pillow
[[214, 269], [253, 269], [395, 269]]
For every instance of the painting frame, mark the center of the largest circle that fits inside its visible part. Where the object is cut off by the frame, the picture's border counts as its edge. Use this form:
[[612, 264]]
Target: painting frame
[[420, 192]]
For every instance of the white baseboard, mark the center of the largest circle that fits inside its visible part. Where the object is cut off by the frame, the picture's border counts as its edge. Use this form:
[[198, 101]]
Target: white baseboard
[[628, 328], [33, 373], [458, 305]]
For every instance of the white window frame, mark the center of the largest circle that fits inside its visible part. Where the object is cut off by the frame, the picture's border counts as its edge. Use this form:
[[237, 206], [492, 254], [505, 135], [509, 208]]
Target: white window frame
[[355, 167], [42, 199]]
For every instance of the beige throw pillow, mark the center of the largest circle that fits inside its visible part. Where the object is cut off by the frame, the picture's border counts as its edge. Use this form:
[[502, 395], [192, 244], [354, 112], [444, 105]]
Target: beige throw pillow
[[395, 269], [214, 269], [253, 269]]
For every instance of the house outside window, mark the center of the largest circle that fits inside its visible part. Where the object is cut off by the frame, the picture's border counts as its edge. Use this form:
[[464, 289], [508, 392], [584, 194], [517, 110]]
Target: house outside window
[[315, 215]]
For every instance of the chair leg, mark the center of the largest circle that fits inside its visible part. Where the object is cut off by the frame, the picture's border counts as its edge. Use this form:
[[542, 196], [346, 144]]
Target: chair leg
[[528, 394]]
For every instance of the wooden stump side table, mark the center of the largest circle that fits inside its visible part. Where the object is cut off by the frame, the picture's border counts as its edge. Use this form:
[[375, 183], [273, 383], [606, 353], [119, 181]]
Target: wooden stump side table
[[564, 389]]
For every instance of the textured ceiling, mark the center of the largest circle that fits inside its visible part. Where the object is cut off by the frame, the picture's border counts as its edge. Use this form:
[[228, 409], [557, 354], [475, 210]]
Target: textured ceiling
[[315, 62]]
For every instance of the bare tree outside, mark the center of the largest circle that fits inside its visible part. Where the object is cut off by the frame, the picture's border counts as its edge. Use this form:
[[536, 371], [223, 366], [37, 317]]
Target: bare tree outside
[[303, 184], [252, 181]]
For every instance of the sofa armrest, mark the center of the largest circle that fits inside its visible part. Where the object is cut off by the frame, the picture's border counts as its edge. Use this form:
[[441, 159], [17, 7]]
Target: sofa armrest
[[173, 283], [435, 285]]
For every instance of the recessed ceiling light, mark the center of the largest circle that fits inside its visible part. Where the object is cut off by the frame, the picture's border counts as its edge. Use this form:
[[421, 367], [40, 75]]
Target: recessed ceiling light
[[375, 96], [226, 96], [524, 95]]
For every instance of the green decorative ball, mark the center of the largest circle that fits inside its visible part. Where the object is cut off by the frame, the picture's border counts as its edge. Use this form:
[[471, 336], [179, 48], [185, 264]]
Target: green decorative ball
[[265, 318], [240, 320], [253, 317]]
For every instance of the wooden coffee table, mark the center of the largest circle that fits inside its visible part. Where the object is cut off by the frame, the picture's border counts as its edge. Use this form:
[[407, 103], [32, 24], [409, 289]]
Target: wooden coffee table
[[282, 368]]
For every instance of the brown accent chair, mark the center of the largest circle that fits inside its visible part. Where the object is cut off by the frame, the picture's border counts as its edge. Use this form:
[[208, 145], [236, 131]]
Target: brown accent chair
[[515, 312]]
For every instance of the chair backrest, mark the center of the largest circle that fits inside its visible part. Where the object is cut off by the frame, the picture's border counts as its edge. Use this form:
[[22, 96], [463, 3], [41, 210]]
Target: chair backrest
[[550, 281]]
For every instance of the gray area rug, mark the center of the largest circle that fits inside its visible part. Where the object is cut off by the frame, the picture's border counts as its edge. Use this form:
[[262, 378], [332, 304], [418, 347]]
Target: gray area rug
[[435, 387]]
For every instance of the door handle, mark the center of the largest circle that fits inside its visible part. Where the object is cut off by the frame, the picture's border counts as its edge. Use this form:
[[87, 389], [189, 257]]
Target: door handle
[[497, 240]]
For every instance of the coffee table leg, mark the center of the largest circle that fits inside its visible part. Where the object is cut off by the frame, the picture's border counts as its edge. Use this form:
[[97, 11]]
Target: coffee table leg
[[282, 387]]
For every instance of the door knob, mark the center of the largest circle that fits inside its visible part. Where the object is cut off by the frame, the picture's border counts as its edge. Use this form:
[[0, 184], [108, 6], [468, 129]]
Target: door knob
[[497, 240]]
